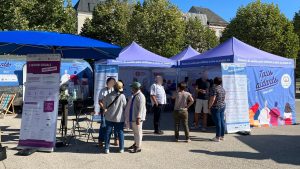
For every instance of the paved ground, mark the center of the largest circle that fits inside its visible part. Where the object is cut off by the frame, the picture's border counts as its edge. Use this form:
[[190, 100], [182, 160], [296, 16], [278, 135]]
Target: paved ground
[[266, 148]]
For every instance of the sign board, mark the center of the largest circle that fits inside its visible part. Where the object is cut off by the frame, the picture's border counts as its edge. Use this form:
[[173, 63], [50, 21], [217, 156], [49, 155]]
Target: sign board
[[235, 84], [102, 73], [271, 96], [40, 107]]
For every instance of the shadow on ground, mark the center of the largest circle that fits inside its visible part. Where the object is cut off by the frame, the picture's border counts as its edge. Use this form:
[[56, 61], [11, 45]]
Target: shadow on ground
[[280, 148]]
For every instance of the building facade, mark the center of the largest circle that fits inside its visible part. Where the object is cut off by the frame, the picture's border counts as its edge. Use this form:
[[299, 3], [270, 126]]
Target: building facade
[[84, 9], [208, 18]]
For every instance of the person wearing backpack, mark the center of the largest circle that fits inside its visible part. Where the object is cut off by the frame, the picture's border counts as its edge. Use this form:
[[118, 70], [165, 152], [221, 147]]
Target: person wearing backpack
[[114, 106], [183, 100]]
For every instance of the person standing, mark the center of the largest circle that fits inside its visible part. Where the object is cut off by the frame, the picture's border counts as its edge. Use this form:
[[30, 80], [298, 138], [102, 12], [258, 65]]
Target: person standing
[[110, 83], [202, 89], [114, 105], [158, 100], [217, 107], [136, 115], [183, 100]]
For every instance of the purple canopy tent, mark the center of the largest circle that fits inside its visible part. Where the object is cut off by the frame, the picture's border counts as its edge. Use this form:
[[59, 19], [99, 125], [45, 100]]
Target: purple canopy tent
[[136, 56], [236, 51], [187, 53], [139, 64], [271, 83]]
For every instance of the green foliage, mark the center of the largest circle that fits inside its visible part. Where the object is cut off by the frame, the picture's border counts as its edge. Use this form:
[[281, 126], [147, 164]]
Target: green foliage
[[157, 25], [263, 26], [198, 36], [296, 22], [109, 22], [48, 15]]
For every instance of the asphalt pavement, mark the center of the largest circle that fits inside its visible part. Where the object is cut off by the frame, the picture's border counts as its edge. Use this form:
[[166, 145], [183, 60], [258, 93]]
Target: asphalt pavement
[[276, 147]]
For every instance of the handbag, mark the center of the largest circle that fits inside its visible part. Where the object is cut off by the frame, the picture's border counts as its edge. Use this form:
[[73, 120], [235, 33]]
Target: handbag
[[3, 155]]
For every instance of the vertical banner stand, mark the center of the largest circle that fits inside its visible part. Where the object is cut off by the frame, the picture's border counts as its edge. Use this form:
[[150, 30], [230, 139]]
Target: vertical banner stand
[[40, 107]]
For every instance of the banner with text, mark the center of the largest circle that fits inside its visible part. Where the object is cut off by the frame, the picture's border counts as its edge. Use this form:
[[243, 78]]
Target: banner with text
[[235, 84], [40, 107], [271, 96], [102, 73]]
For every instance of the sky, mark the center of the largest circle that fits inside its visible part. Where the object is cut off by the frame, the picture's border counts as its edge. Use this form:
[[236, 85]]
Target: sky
[[227, 8]]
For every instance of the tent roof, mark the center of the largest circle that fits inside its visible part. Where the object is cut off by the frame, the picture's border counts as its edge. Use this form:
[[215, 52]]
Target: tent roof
[[185, 54], [69, 45], [137, 56], [236, 51]]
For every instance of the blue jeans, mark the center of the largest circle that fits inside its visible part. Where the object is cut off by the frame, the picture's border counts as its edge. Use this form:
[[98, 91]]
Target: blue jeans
[[102, 131], [118, 127], [218, 117]]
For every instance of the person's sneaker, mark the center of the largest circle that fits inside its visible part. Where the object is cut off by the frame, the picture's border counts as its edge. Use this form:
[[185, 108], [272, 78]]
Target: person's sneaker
[[159, 132], [131, 147], [106, 151], [188, 140], [215, 139], [222, 138], [136, 150], [121, 151]]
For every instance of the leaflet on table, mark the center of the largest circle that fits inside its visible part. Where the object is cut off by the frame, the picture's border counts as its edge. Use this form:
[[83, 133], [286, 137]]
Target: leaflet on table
[[38, 127], [102, 73], [235, 84]]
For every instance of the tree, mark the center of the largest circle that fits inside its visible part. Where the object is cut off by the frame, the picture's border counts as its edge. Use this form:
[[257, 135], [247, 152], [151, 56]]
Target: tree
[[158, 26], [198, 36], [109, 22], [296, 22], [263, 26], [48, 15]]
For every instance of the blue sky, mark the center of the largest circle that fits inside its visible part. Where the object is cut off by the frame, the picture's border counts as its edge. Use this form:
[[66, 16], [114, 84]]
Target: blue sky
[[227, 8]]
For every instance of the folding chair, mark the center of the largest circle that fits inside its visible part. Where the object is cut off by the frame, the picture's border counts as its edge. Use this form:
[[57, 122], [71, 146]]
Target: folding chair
[[85, 115], [7, 104]]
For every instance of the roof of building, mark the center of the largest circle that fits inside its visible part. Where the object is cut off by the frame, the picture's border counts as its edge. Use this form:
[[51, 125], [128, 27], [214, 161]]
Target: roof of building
[[212, 18], [87, 5]]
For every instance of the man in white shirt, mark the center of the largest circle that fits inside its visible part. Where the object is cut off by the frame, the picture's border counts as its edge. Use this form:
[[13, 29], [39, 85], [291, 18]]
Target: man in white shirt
[[158, 100]]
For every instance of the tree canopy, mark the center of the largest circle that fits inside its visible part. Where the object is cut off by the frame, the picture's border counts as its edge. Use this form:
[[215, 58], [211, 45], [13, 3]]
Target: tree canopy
[[48, 15], [157, 25], [263, 25], [198, 36]]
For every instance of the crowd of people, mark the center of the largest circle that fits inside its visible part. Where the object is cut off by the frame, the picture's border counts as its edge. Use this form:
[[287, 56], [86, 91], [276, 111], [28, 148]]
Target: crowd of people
[[119, 113]]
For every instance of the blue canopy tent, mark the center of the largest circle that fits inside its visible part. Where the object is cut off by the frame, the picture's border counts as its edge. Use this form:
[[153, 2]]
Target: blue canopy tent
[[271, 85], [68, 45]]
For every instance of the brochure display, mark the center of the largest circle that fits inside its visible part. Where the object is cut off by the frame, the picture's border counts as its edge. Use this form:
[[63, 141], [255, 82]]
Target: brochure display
[[40, 107]]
